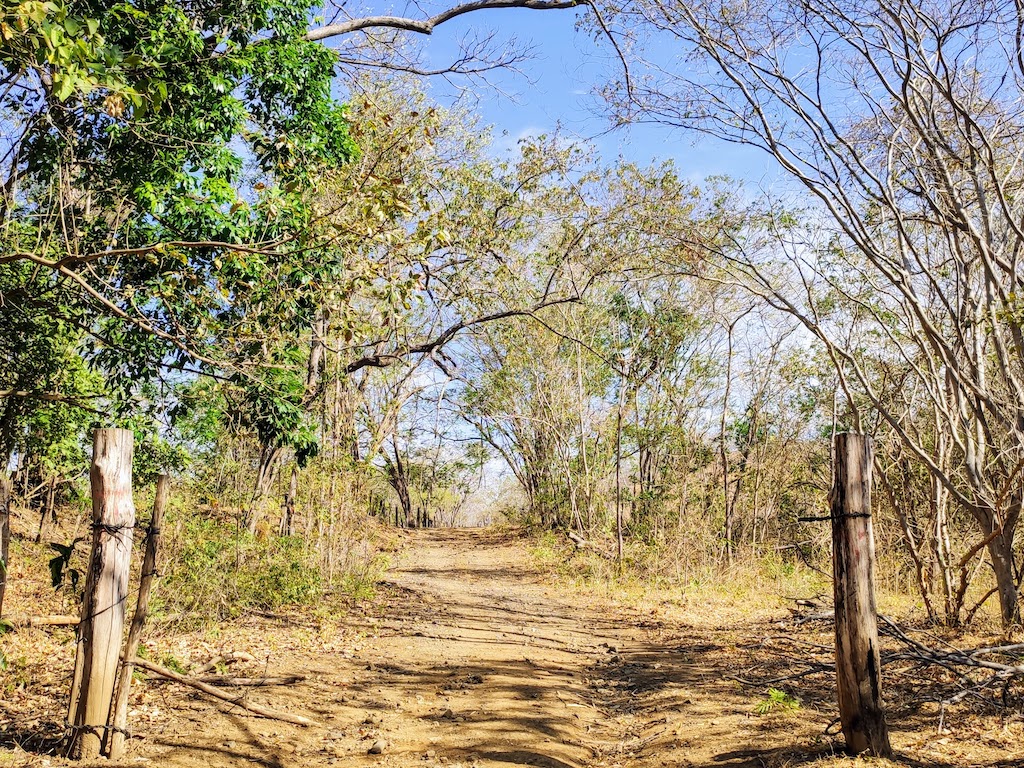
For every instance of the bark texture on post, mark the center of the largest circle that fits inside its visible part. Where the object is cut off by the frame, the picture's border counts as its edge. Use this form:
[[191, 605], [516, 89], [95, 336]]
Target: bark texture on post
[[858, 666], [115, 735], [106, 590], [5, 533]]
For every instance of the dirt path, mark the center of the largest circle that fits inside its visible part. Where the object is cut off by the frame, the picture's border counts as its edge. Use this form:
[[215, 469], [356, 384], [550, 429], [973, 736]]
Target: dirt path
[[474, 659]]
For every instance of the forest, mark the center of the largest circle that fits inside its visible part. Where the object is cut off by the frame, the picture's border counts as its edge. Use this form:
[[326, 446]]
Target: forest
[[358, 342]]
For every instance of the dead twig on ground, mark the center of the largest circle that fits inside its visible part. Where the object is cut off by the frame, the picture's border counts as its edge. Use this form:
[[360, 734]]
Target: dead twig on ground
[[18, 622], [233, 699], [224, 659], [252, 682]]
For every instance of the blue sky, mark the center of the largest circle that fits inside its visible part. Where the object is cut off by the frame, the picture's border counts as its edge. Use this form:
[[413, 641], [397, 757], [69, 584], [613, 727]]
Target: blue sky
[[558, 89]]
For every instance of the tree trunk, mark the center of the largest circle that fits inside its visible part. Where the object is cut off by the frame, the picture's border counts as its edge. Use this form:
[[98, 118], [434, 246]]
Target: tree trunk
[[5, 534], [119, 711], [398, 477], [288, 512], [1000, 551], [858, 665], [49, 507], [106, 590], [723, 452], [618, 476], [264, 482]]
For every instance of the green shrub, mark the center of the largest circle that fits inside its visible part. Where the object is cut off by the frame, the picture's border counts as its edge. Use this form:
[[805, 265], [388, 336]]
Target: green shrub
[[777, 701], [214, 570], [360, 582]]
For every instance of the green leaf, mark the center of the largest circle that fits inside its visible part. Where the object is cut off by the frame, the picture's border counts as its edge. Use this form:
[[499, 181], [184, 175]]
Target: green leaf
[[65, 87]]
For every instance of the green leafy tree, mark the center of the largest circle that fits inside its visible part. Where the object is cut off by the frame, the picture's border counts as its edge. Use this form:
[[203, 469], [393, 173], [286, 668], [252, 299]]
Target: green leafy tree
[[157, 167]]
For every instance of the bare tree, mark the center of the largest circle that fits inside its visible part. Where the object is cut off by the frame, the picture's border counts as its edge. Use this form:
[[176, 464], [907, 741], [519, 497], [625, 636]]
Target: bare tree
[[904, 122]]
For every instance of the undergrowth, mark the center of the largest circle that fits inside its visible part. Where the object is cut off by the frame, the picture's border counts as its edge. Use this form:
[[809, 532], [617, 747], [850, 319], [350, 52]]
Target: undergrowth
[[676, 576], [212, 571]]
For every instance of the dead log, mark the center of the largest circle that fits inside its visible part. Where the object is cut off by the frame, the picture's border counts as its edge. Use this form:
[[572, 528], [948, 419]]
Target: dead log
[[114, 741], [224, 658], [582, 543], [238, 701]]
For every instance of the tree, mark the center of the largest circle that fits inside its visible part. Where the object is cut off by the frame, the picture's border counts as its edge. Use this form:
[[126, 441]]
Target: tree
[[158, 160], [542, 392], [904, 123]]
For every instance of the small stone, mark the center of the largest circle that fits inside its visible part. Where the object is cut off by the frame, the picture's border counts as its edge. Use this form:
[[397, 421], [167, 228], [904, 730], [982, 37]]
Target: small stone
[[447, 715], [377, 748]]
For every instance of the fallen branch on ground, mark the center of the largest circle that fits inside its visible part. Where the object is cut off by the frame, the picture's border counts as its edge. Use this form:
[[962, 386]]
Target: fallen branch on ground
[[975, 669], [805, 618], [225, 658], [956, 659], [249, 681], [233, 699], [582, 543], [41, 621]]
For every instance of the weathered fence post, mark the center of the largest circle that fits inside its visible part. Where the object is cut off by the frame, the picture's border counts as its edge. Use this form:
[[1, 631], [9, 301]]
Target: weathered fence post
[[5, 533], [858, 666], [106, 590], [115, 735]]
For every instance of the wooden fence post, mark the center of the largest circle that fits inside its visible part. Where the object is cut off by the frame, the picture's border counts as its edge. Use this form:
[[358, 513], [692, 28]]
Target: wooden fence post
[[5, 533], [106, 590], [115, 736], [858, 665]]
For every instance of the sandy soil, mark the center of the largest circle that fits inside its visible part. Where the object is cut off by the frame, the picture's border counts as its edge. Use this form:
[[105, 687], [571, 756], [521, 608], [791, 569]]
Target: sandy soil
[[472, 657]]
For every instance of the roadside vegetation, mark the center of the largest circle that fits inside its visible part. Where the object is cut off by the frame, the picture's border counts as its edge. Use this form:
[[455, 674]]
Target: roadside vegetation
[[333, 308]]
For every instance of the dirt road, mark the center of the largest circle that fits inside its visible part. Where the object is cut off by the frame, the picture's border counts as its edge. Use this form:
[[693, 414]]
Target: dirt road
[[472, 657], [475, 659]]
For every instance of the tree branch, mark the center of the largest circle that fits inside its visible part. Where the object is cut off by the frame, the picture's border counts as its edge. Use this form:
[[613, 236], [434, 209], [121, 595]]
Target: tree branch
[[426, 26], [53, 397], [387, 359]]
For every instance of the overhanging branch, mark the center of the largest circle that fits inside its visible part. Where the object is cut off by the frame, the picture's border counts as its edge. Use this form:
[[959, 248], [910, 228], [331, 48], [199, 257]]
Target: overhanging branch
[[426, 26], [387, 359]]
